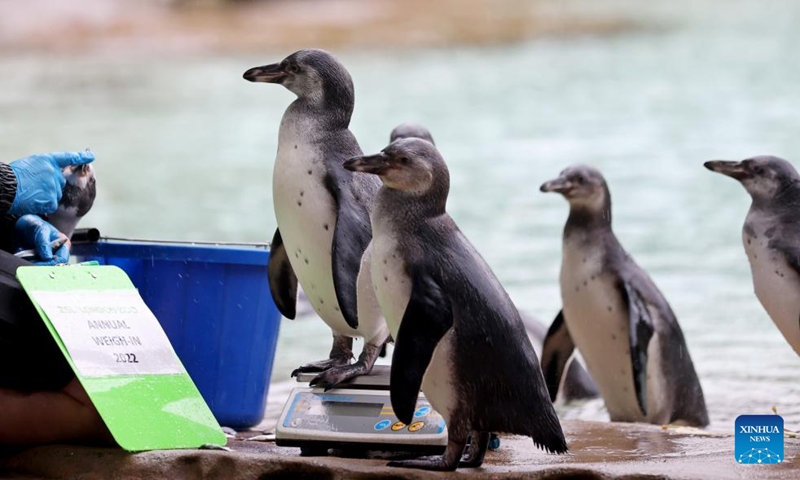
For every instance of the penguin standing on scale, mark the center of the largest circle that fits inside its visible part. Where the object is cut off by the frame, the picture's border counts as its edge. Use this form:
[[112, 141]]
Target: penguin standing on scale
[[771, 236], [617, 317], [577, 383], [322, 212], [458, 337]]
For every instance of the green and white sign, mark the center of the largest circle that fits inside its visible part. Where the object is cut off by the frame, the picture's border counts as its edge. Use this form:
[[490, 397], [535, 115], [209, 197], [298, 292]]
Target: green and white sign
[[121, 356]]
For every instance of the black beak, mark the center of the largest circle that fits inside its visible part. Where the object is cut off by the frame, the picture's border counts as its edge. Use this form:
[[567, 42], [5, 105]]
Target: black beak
[[558, 185], [268, 73], [732, 169], [376, 164]]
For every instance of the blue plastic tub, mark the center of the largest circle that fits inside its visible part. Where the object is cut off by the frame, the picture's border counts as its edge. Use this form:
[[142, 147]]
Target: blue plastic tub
[[215, 306]]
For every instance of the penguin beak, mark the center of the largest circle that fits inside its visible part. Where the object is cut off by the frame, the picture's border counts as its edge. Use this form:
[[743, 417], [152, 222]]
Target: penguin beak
[[376, 164], [558, 185], [268, 74], [732, 169]]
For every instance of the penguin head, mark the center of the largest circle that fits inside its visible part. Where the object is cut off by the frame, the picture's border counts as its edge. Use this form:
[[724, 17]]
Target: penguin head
[[764, 177], [81, 188], [583, 187], [313, 75], [410, 165], [410, 130], [77, 198]]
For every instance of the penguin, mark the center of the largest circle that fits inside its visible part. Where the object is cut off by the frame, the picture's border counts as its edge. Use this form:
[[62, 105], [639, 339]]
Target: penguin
[[77, 198], [616, 316], [771, 236], [577, 384], [322, 211], [410, 130], [458, 337]]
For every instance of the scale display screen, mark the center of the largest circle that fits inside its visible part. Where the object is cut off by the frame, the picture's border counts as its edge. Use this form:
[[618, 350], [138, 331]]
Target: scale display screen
[[352, 409]]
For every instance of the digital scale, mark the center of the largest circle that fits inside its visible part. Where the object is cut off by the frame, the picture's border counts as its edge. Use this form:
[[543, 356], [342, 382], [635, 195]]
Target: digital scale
[[357, 415]]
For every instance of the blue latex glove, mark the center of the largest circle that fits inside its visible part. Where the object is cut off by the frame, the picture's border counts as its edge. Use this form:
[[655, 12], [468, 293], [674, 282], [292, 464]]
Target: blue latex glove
[[33, 232], [40, 181]]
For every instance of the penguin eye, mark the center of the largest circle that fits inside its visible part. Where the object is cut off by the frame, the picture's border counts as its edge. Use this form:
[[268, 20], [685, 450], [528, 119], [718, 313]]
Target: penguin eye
[[404, 160], [758, 170], [294, 68], [580, 179]]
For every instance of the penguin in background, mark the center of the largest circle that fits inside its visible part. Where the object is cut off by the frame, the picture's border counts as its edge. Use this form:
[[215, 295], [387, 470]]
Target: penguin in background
[[576, 383], [322, 212], [616, 316], [458, 337], [410, 130], [771, 236]]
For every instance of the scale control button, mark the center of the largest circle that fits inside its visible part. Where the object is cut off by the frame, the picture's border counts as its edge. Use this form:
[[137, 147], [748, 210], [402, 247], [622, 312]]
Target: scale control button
[[422, 411], [383, 424], [416, 426], [398, 426]]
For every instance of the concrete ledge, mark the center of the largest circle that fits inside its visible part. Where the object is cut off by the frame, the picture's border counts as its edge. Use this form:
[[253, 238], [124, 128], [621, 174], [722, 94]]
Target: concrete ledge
[[598, 451]]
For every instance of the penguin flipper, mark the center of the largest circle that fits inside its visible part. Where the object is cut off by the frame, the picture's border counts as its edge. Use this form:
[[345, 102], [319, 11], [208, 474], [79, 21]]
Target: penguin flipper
[[282, 280], [350, 239], [556, 352], [427, 318], [640, 329]]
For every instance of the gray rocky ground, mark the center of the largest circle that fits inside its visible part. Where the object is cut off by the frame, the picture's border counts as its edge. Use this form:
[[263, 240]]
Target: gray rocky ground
[[598, 450]]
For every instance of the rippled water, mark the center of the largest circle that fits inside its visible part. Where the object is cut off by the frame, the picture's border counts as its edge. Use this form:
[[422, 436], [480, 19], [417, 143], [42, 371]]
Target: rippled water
[[185, 150]]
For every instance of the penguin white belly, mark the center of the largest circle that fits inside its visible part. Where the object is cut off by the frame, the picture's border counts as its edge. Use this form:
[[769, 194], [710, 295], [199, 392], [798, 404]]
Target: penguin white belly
[[390, 282], [597, 321], [777, 287], [393, 289], [437, 384], [371, 324], [306, 216]]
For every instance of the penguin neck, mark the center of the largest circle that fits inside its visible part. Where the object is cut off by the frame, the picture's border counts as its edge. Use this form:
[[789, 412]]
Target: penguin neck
[[584, 219], [408, 209], [784, 202], [333, 109]]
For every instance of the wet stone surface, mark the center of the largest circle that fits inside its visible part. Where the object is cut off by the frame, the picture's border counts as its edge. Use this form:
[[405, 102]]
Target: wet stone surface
[[598, 450]]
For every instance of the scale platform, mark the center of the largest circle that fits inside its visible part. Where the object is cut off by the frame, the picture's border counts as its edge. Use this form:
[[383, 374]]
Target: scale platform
[[357, 415]]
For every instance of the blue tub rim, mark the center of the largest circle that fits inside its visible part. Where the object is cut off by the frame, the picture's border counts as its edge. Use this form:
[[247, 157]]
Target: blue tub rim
[[175, 250]]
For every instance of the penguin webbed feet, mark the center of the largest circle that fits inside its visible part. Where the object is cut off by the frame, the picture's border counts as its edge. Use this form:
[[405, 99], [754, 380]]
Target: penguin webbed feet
[[320, 366], [426, 463], [475, 451], [341, 353], [340, 373], [336, 375], [447, 462]]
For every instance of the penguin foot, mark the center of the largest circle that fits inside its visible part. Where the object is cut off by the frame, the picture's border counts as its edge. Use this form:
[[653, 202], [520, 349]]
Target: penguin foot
[[341, 353], [320, 366], [476, 450], [335, 375], [426, 463], [447, 462], [338, 374]]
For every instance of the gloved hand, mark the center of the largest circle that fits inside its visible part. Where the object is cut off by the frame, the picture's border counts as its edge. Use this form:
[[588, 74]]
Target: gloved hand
[[40, 181], [33, 232]]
